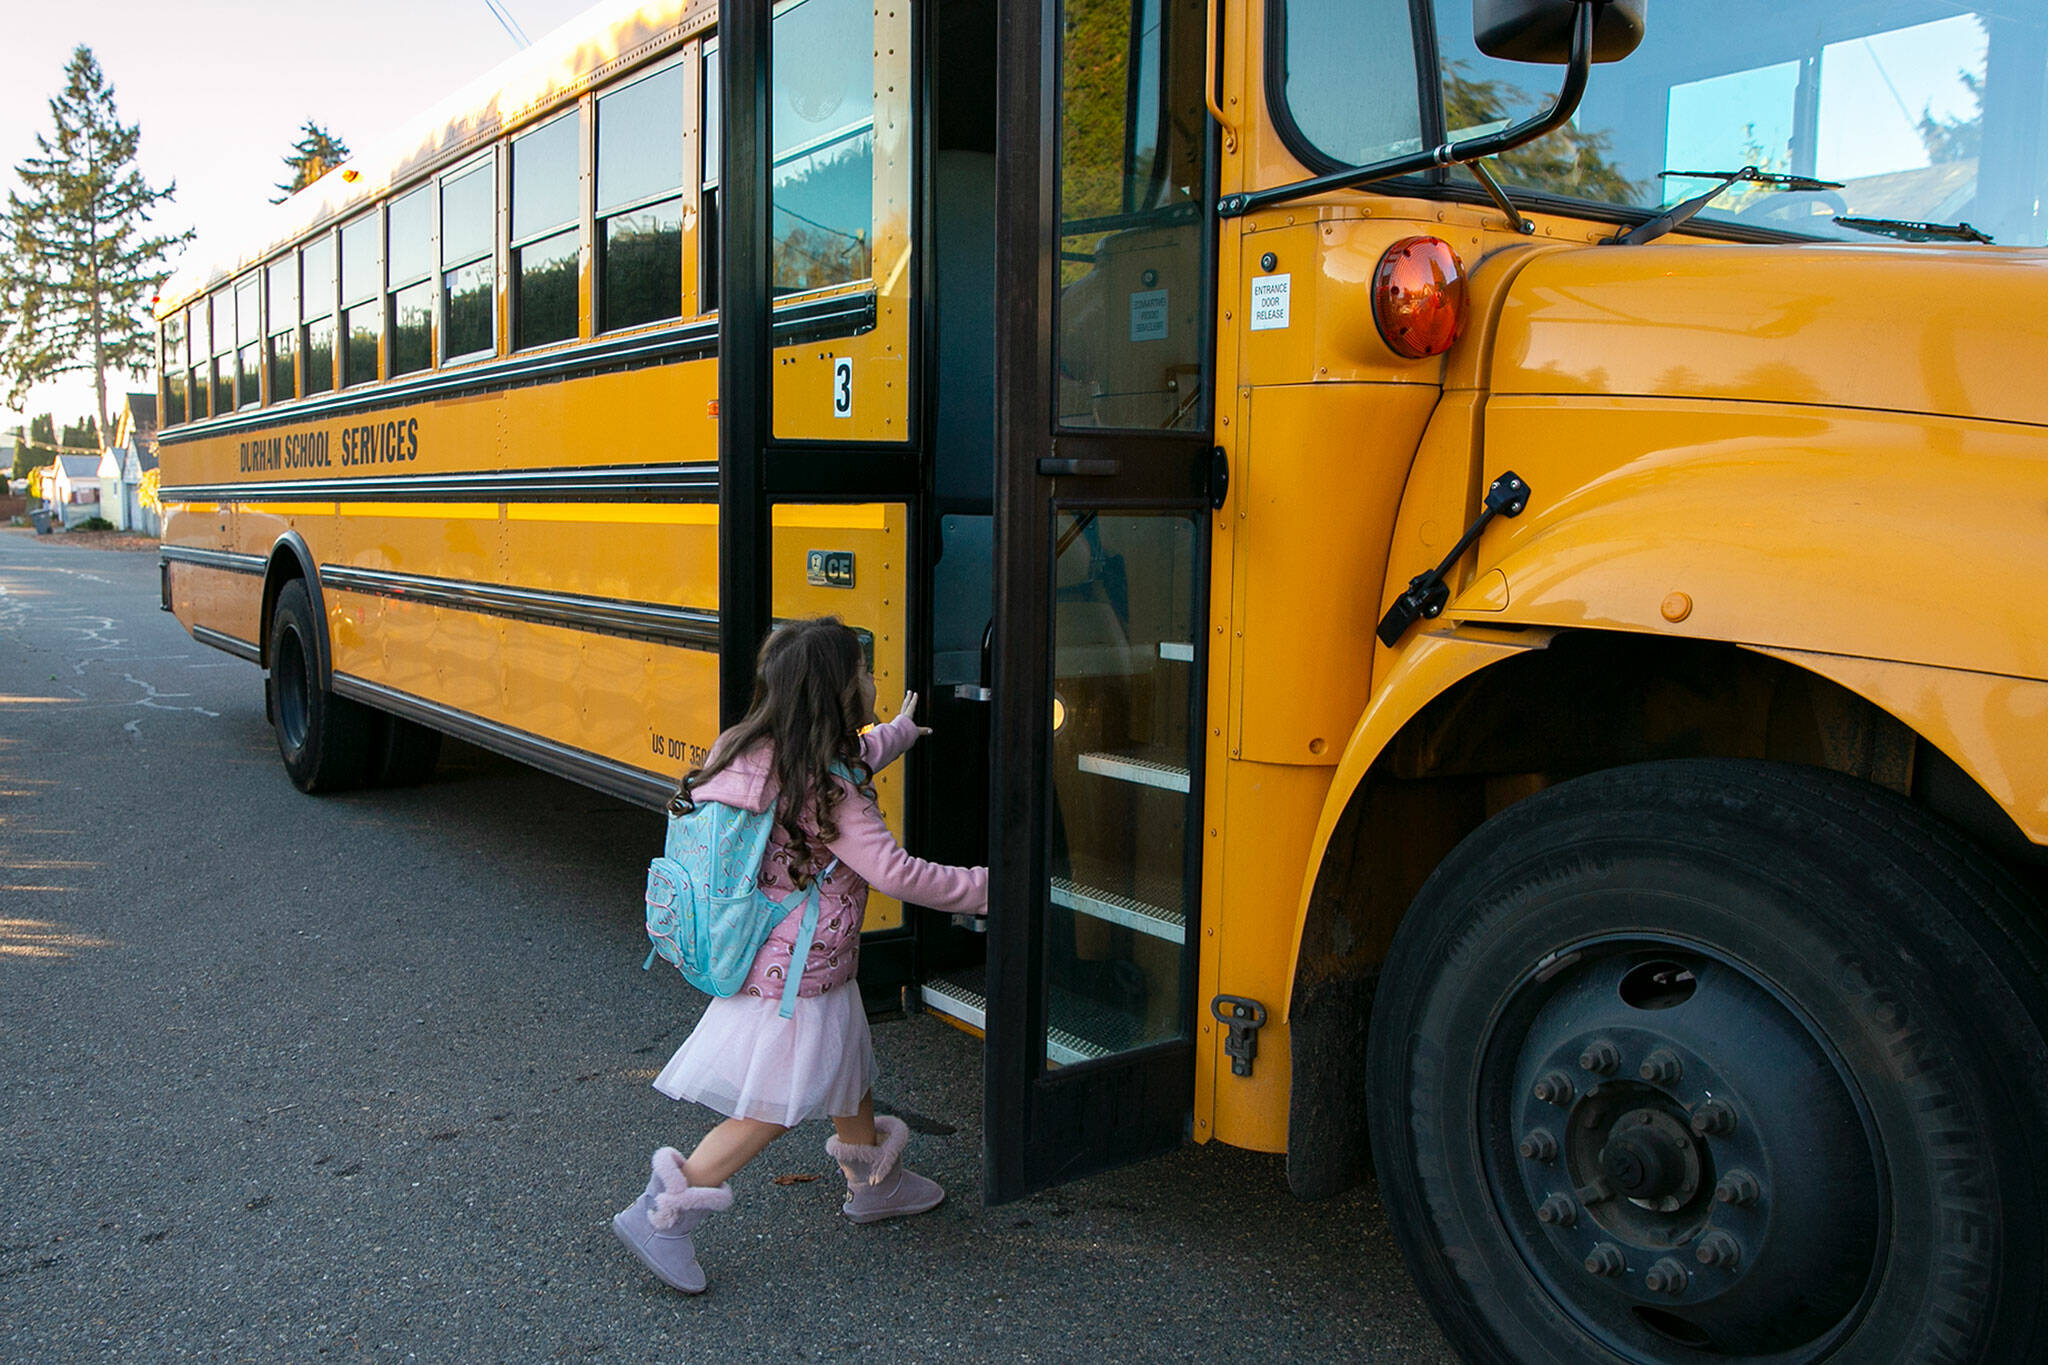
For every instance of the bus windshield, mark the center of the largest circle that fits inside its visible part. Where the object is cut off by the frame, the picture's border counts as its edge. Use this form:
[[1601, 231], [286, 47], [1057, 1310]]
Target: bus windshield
[[1924, 111]]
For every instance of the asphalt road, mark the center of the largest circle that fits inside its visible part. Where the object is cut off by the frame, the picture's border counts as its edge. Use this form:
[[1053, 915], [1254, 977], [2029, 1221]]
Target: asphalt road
[[364, 1077]]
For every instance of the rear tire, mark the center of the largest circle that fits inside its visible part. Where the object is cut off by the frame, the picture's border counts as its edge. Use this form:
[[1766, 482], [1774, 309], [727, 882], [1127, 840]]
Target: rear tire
[[1718, 1060], [325, 740]]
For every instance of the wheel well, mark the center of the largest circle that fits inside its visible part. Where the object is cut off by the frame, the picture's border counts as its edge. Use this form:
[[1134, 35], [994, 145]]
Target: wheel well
[[1590, 701], [284, 567], [289, 559]]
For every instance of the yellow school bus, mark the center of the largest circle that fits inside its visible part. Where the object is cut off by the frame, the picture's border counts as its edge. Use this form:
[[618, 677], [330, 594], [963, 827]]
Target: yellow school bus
[[1472, 562]]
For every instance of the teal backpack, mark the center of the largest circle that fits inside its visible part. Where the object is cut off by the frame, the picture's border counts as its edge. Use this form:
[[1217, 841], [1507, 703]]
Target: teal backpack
[[706, 912]]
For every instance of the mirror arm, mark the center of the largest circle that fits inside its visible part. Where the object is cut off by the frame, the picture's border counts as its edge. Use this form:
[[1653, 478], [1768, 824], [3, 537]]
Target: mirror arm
[[1516, 222], [1568, 97]]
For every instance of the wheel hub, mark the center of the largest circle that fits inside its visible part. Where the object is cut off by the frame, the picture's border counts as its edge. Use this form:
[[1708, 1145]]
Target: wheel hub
[[1685, 1164], [1650, 1158]]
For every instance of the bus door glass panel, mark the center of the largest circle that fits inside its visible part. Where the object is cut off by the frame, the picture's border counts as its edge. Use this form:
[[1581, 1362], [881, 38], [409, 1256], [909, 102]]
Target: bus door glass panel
[[1133, 299], [840, 222], [1122, 839]]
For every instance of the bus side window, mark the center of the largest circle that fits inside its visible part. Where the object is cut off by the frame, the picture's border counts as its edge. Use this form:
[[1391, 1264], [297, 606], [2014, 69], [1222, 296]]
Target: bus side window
[[545, 307], [173, 369], [411, 265], [281, 281], [469, 212], [640, 202], [362, 309], [223, 365], [316, 287]]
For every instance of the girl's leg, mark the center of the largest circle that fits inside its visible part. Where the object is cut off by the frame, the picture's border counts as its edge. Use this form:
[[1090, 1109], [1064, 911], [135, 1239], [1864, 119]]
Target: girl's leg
[[728, 1147], [858, 1127]]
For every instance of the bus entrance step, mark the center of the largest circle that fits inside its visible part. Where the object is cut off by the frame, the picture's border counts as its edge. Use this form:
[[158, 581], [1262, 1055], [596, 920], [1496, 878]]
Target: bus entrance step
[[1147, 767], [1082, 1029], [1144, 912]]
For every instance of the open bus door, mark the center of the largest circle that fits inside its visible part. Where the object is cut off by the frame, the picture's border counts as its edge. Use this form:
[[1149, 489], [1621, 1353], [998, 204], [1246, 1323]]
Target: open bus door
[[1105, 468]]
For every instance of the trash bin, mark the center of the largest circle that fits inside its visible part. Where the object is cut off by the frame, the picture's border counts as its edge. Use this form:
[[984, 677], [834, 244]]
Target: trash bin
[[40, 519]]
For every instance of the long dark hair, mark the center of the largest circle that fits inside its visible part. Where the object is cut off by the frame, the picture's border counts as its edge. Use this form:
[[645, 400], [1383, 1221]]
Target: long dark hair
[[807, 707]]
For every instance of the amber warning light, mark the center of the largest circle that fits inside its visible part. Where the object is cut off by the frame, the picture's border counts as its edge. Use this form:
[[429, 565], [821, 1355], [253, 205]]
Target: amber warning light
[[1418, 297]]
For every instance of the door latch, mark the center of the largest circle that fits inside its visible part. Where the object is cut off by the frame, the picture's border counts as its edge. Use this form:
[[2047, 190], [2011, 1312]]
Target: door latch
[[1242, 1019]]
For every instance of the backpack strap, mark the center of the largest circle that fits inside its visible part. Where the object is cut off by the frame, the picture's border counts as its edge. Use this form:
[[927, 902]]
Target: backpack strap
[[800, 955]]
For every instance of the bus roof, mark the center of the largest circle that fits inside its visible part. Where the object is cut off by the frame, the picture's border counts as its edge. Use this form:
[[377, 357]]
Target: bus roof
[[582, 53]]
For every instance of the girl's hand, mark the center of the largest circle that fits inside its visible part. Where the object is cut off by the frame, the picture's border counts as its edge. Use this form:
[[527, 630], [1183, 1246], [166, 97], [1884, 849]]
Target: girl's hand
[[910, 710]]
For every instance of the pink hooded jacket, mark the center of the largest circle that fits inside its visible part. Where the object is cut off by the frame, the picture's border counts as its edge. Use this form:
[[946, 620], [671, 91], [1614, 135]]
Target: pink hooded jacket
[[868, 855]]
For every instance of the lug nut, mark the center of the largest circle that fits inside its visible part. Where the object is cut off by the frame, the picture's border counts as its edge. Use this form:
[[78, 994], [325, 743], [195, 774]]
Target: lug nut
[[1665, 1277], [1555, 1088], [1539, 1145], [1599, 1191], [1718, 1248], [1606, 1259], [1738, 1187], [1602, 1058], [1661, 1067], [1558, 1211], [1713, 1118]]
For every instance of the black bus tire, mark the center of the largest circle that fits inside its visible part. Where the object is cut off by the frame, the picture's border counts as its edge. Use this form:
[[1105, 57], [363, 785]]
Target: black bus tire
[[325, 740], [1710, 1060], [404, 753]]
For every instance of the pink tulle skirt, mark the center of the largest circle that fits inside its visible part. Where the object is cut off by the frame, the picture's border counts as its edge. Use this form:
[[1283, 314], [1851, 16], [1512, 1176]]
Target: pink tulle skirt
[[746, 1061]]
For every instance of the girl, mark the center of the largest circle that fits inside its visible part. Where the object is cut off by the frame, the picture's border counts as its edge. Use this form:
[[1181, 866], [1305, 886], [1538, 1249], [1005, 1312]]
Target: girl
[[813, 697]]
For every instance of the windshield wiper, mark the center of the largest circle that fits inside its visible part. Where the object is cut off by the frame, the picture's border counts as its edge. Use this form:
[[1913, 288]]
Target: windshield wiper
[[1681, 213], [1907, 231]]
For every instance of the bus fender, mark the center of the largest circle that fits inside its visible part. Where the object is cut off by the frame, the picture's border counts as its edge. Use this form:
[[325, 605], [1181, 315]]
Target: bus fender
[[291, 557], [1432, 661]]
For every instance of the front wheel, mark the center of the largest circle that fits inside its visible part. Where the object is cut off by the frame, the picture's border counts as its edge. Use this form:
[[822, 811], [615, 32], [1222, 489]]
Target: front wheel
[[1714, 1060]]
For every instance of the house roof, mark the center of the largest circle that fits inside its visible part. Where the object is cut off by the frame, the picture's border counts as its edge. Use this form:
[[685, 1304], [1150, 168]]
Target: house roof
[[79, 466], [137, 419]]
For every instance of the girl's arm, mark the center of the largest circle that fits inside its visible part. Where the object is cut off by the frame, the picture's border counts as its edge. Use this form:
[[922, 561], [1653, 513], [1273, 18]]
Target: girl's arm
[[866, 845], [884, 744]]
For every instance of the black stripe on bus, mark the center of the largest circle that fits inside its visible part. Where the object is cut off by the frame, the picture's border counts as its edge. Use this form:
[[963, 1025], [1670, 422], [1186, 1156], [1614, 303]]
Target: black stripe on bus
[[689, 627], [234, 645], [823, 319], [212, 559], [613, 483], [617, 779]]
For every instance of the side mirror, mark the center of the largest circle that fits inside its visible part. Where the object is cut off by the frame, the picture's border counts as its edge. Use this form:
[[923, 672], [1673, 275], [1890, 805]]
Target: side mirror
[[1541, 30]]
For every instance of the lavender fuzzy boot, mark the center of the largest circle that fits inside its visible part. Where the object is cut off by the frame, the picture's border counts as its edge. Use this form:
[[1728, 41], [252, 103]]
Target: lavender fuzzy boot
[[878, 1184], [656, 1227]]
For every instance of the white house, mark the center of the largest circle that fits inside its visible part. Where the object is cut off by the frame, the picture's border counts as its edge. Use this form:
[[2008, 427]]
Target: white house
[[76, 494], [132, 455]]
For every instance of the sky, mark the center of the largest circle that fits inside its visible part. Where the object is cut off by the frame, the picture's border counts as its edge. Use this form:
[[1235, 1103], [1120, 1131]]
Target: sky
[[221, 88]]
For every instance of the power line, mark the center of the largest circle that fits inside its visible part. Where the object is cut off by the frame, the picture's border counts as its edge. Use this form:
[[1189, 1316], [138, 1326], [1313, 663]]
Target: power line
[[508, 23]]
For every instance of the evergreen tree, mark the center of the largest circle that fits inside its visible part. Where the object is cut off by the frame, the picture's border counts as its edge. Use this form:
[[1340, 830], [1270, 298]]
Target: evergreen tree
[[312, 156], [76, 271], [80, 435], [42, 430]]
